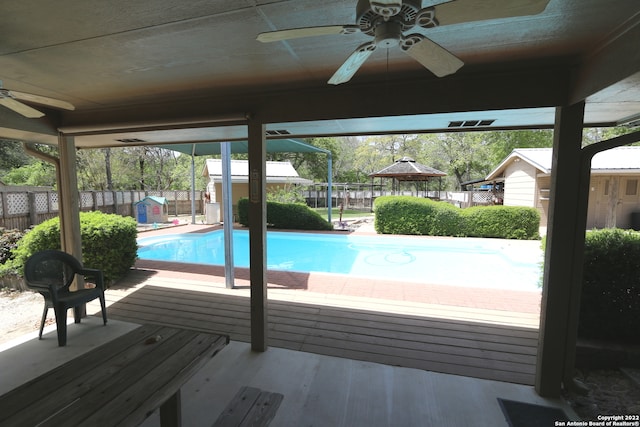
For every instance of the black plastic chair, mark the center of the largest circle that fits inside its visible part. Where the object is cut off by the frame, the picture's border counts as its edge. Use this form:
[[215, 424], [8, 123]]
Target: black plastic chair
[[51, 273]]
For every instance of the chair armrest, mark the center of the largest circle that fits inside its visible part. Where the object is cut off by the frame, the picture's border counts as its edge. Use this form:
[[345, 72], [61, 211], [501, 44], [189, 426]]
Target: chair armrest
[[96, 274]]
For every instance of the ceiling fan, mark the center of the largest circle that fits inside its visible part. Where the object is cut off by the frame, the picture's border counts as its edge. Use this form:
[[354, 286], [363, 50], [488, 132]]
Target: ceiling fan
[[388, 20], [11, 99]]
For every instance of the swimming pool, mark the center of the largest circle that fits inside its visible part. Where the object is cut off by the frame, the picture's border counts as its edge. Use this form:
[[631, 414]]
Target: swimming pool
[[487, 263]]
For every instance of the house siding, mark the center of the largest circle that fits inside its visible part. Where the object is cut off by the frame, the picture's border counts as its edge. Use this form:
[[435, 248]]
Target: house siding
[[543, 192], [614, 188], [238, 191], [520, 185], [612, 200]]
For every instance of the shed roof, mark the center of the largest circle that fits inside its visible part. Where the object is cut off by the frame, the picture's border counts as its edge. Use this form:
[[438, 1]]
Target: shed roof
[[157, 199], [276, 172], [622, 160], [407, 169]]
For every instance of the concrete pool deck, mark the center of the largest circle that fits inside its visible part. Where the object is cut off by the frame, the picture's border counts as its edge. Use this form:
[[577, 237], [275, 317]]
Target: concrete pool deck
[[342, 285]]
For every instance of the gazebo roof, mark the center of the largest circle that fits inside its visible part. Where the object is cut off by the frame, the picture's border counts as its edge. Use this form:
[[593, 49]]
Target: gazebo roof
[[407, 169]]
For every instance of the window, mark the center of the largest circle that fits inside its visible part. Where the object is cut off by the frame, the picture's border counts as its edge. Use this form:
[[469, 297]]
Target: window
[[606, 187], [632, 187]]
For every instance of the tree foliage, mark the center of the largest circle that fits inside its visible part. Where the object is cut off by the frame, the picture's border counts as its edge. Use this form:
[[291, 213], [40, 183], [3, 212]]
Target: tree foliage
[[12, 155], [37, 173], [463, 156], [143, 168], [501, 144]]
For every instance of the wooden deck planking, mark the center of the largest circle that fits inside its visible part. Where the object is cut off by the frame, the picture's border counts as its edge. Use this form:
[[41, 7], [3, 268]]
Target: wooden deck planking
[[470, 348], [445, 368], [413, 324]]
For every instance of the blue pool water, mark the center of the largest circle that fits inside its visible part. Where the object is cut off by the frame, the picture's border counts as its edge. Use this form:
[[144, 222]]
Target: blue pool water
[[492, 263]]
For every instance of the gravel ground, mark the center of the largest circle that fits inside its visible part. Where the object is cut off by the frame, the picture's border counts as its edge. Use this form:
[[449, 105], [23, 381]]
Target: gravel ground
[[20, 313], [611, 392]]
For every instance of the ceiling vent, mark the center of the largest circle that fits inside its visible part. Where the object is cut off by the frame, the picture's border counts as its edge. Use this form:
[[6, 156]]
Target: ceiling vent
[[278, 132], [470, 123], [130, 140]]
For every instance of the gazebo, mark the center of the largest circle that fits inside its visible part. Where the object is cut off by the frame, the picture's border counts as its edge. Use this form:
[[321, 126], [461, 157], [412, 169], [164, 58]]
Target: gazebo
[[407, 169]]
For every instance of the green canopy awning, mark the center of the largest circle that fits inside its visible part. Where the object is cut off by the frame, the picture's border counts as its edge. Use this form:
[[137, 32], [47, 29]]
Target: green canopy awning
[[273, 146]]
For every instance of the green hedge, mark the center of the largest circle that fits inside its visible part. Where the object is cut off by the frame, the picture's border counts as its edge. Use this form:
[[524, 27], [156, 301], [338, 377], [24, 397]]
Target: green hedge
[[108, 243], [507, 222], [293, 216], [610, 304], [413, 215]]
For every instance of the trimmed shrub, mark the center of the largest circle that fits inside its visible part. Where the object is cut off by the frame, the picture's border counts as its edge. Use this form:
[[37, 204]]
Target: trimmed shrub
[[412, 215], [610, 304], [506, 222], [288, 216], [108, 243]]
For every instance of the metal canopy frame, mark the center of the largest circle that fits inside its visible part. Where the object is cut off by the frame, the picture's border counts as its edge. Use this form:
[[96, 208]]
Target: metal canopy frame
[[225, 149]]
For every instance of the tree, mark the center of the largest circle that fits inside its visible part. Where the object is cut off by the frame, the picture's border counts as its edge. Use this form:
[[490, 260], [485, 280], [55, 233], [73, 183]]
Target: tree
[[314, 165], [501, 144], [12, 155], [462, 155], [369, 158], [593, 135], [91, 171], [181, 173], [345, 165], [107, 167], [38, 173]]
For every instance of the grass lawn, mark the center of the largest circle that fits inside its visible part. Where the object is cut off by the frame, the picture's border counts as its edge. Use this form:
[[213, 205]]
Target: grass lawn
[[346, 214]]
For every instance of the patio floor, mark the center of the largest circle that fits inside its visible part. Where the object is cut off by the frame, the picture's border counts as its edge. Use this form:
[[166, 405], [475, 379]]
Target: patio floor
[[343, 351], [318, 390], [469, 341]]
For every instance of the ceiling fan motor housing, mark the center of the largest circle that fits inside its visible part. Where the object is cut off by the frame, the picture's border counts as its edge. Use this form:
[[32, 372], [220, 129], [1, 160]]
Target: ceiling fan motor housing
[[368, 20], [388, 34]]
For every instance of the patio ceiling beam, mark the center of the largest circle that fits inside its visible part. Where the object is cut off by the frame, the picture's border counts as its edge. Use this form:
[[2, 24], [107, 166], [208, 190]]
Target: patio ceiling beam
[[598, 70], [42, 130], [492, 90]]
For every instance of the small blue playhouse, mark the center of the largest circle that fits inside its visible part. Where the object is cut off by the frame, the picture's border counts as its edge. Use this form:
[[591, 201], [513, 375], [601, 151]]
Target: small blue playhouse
[[152, 210]]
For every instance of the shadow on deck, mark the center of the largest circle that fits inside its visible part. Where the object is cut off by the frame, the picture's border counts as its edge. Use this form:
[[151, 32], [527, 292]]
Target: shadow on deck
[[447, 340]]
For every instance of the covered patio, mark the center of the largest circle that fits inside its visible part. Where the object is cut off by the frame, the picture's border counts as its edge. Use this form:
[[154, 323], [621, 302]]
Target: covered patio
[[103, 74], [355, 352], [319, 389]]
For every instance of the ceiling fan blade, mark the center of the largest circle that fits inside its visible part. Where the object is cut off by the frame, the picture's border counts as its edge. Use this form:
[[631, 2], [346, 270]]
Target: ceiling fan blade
[[460, 11], [432, 56], [42, 100], [295, 33], [20, 108], [353, 63], [386, 8]]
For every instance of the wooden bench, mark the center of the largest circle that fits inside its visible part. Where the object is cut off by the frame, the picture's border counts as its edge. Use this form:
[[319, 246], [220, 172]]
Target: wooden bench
[[117, 384], [250, 407]]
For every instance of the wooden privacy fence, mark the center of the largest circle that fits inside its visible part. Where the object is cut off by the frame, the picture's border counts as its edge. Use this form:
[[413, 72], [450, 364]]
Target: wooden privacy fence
[[23, 209]]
